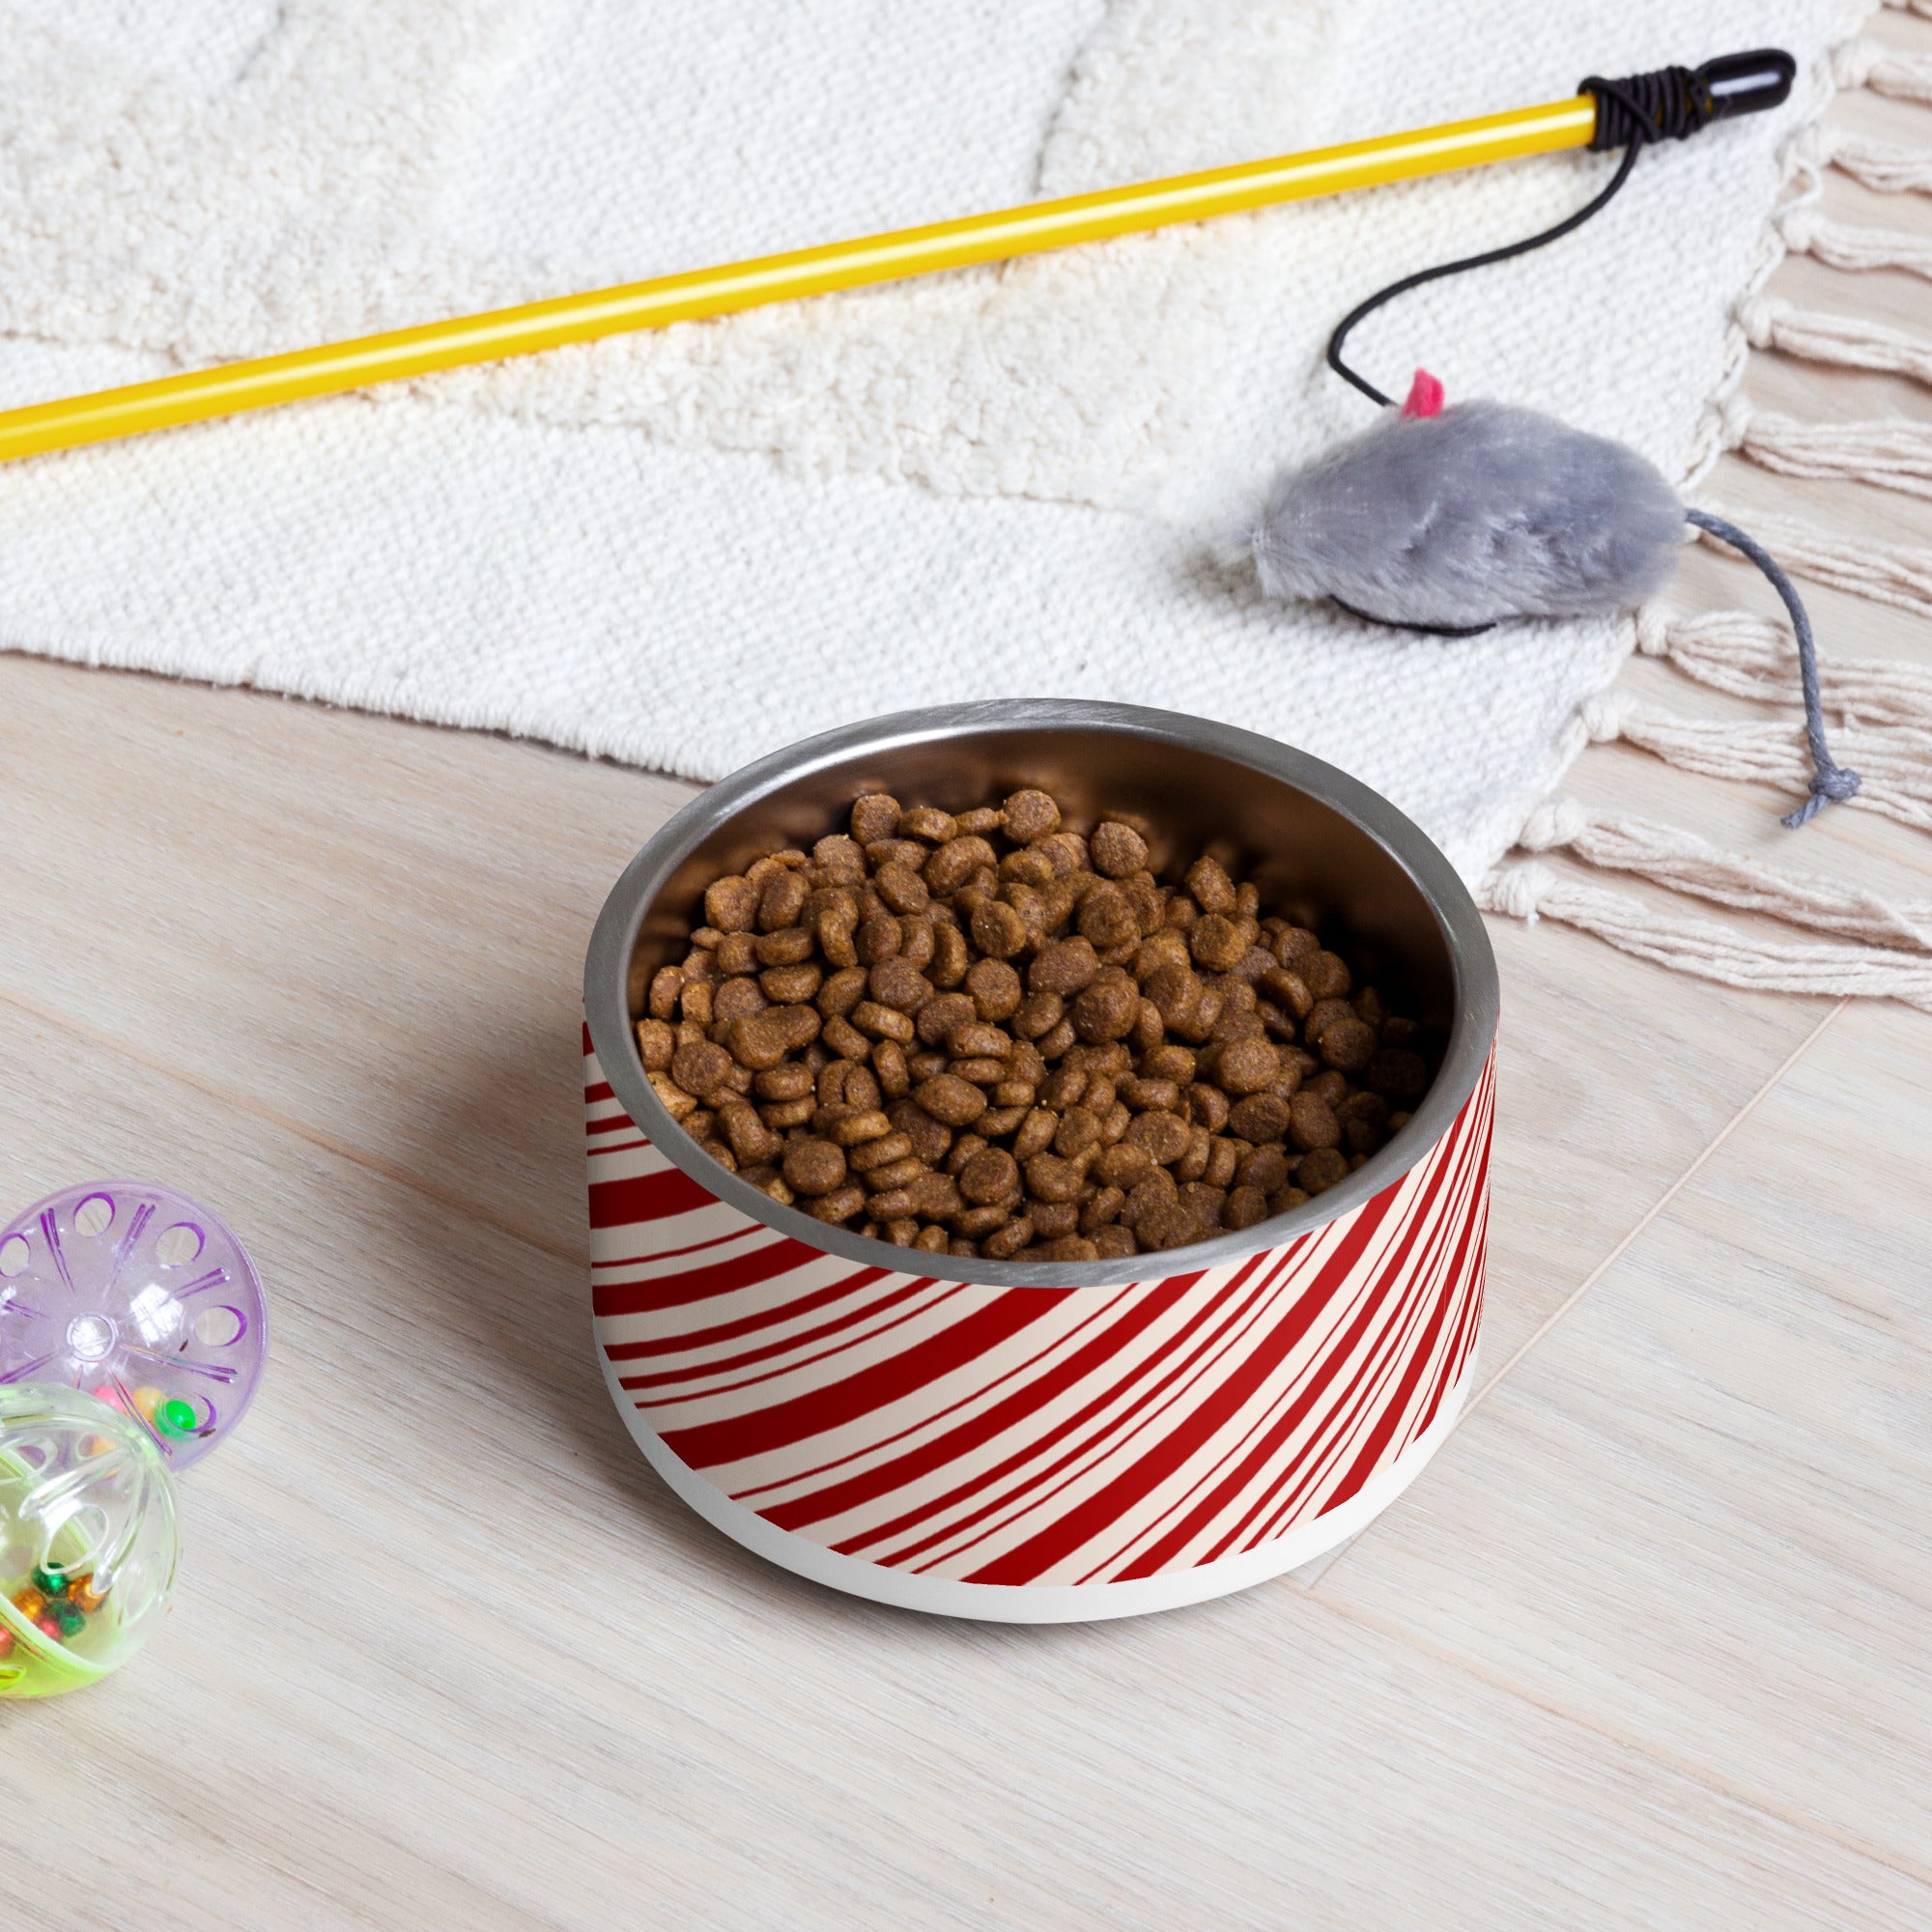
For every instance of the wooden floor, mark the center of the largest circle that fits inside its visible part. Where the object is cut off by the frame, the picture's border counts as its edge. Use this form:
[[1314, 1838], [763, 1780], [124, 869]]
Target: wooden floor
[[1646, 1646]]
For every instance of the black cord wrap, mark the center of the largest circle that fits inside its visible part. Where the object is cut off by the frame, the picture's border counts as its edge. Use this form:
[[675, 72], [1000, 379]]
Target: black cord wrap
[[1670, 104]]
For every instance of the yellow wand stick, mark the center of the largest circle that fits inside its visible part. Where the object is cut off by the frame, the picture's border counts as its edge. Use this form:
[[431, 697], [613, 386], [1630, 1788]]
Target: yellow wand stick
[[1738, 83]]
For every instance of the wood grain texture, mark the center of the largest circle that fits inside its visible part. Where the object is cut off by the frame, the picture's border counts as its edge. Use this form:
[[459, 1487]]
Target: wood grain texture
[[1643, 1648]]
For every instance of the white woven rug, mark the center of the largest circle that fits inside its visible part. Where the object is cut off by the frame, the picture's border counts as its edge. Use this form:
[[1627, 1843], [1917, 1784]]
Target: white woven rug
[[684, 550]]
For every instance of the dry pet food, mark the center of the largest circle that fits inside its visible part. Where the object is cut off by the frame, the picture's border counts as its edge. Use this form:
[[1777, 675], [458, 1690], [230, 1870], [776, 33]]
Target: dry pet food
[[986, 1035]]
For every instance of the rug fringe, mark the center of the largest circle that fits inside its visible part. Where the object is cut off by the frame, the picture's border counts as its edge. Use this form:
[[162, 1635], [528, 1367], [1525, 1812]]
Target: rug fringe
[[1753, 657], [1895, 574], [1894, 453], [1884, 70], [1669, 856], [1816, 335], [1838, 244], [1881, 165], [1530, 890]]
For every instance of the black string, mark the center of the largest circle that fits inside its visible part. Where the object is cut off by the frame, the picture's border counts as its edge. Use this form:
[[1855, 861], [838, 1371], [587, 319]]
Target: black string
[[1669, 105]]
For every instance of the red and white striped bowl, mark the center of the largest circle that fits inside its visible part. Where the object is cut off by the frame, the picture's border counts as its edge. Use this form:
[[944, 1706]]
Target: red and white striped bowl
[[1025, 1441]]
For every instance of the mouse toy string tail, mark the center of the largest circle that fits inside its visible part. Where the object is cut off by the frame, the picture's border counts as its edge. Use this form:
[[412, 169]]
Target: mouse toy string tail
[[1670, 104], [1830, 781]]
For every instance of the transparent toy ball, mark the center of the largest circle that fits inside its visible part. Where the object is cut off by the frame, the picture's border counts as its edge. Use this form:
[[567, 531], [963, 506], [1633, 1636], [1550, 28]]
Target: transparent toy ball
[[87, 1538]]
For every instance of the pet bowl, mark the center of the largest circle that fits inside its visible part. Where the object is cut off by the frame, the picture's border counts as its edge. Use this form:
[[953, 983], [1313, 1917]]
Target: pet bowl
[[1029, 1441]]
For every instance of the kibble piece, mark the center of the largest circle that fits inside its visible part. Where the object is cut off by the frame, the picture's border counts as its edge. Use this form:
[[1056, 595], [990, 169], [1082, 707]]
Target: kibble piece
[[813, 1167], [899, 984], [1261, 1116], [1320, 1170], [1397, 1074], [998, 929], [1107, 1008], [1116, 849], [656, 1043], [1349, 1045], [1209, 886], [990, 1174], [736, 953], [1125, 1164], [1115, 1242], [1321, 1016], [1243, 1207], [1028, 816], [929, 823], [1107, 918], [1326, 975], [1311, 1123], [700, 1067], [1216, 943], [1037, 1016], [879, 1021], [1248, 1066], [1006, 1243], [731, 905], [870, 1126], [902, 889], [1079, 1129], [1064, 967], [1162, 1137], [782, 901], [876, 816], [869, 1156], [951, 1100], [1168, 1226], [788, 985]]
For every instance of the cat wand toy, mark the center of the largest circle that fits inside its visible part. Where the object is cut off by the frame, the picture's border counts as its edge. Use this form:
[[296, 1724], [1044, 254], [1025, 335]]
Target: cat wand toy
[[1679, 98]]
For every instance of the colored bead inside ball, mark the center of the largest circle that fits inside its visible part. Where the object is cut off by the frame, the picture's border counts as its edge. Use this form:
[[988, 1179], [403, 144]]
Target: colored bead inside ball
[[88, 1539]]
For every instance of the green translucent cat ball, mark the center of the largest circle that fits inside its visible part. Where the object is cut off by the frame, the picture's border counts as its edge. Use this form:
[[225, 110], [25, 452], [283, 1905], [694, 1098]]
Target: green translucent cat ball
[[88, 1540]]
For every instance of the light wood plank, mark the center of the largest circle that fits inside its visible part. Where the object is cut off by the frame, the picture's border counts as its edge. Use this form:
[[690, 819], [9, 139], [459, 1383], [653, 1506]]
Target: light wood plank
[[1696, 1513], [447, 1654]]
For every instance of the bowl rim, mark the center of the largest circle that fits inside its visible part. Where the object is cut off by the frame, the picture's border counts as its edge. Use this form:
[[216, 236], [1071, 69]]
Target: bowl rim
[[1471, 959]]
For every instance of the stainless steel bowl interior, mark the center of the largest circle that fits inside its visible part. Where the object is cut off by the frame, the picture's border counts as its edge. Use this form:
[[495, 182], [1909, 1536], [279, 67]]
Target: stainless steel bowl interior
[[1321, 846]]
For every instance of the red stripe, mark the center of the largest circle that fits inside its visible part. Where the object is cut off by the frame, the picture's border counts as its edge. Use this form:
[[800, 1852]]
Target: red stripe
[[966, 1436], [670, 1254], [618, 1124], [1170, 1376], [706, 1284], [681, 1340], [1319, 1387], [1427, 1289], [602, 1090], [751, 1357], [588, 1049], [646, 1197], [734, 1440], [1058, 1540]]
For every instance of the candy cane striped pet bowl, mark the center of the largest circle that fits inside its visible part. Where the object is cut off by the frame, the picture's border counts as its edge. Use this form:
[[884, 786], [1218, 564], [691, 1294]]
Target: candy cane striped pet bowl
[[1031, 1443]]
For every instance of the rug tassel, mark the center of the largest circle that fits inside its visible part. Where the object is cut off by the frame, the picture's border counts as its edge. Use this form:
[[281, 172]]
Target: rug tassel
[[1879, 165], [1815, 335], [1894, 454], [1895, 765], [1895, 574], [1669, 856], [1884, 70], [1838, 244], [1685, 943], [1753, 657]]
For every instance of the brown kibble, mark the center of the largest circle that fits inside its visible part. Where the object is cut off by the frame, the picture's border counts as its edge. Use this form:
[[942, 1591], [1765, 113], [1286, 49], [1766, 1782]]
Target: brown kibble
[[1320, 1170], [976, 1222], [813, 1166], [1326, 975], [1208, 1107], [1155, 1095], [982, 1072], [1115, 1242], [1049, 1177], [1071, 1248], [899, 984], [1116, 850], [941, 1014], [788, 946], [1079, 1129], [1170, 1225], [838, 1205], [782, 903], [880, 937], [736, 1000], [677, 1103], [991, 1174], [667, 983], [1107, 918], [842, 992], [998, 929], [1311, 1123], [737, 953], [1006, 1243], [874, 816], [893, 1178], [1209, 886], [975, 1040], [1065, 966], [951, 957], [656, 1043], [1028, 816], [1295, 943], [869, 1156], [782, 1115], [1265, 1169], [995, 989], [879, 1021], [1261, 1116], [1247, 1066], [1037, 1014], [955, 862], [1243, 1207], [1162, 1137], [1107, 1009], [1222, 1158], [700, 1068], [951, 1100], [1321, 1016], [750, 1140], [731, 905], [1037, 1132], [889, 1068], [1124, 1165], [1397, 1074], [929, 823], [1349, 1045], [788, 985], [870, 1125], [1100, 1209], [1215, 943], [1329, 1087], [902, 889]]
